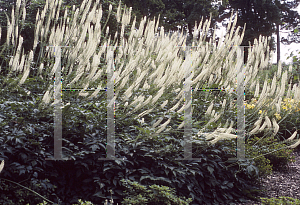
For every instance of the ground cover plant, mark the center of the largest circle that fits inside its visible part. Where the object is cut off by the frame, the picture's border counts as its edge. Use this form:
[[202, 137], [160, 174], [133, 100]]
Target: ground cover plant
[[280, 200], [149, 77]]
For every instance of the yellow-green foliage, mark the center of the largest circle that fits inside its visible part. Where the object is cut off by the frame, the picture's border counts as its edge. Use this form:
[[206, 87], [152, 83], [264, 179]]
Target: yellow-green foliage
[[258, 145], [79, 200], [262, 163], [85, 203], [44, 203], [157, 195], [281, 200], [278, 160], [138, 194]]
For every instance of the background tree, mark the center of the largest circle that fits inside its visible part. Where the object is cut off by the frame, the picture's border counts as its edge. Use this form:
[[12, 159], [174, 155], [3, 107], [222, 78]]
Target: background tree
[[259, 17], [176, 13], [263, 18], [290, 20]]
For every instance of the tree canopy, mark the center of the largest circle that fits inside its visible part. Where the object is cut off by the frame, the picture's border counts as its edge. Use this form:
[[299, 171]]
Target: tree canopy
[[261, 17]]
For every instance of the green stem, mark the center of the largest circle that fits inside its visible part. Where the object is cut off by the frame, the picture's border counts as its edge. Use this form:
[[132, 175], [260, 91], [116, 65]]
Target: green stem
[[29, 190]]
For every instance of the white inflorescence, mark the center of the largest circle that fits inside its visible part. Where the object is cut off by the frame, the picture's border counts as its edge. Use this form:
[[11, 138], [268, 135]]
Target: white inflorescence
[[153, 58]]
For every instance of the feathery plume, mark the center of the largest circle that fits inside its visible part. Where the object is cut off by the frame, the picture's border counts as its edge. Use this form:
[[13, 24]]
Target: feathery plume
[[294, 145], [164, 104], [163, 126], [208, 112], [1, 166], [292, 137], [276, 126], [268, 121]]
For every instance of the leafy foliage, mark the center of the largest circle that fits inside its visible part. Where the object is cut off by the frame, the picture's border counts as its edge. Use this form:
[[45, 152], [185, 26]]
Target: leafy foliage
[[28, 131], [148, 158], [278, 160], [280, 200], [140, 195]]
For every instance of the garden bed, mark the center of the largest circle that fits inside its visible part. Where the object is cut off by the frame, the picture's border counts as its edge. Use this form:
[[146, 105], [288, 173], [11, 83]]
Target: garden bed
[[281, 183]]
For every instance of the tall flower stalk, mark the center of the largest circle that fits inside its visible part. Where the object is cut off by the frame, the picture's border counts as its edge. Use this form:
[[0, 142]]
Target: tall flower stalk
[[146, 62]]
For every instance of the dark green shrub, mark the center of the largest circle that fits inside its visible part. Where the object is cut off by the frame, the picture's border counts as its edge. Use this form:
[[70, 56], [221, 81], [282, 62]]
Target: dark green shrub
[[27, 140], [22, 148]]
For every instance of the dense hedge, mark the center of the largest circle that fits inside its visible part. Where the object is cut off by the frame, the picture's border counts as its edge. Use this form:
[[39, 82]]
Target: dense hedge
[[27, 139]]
